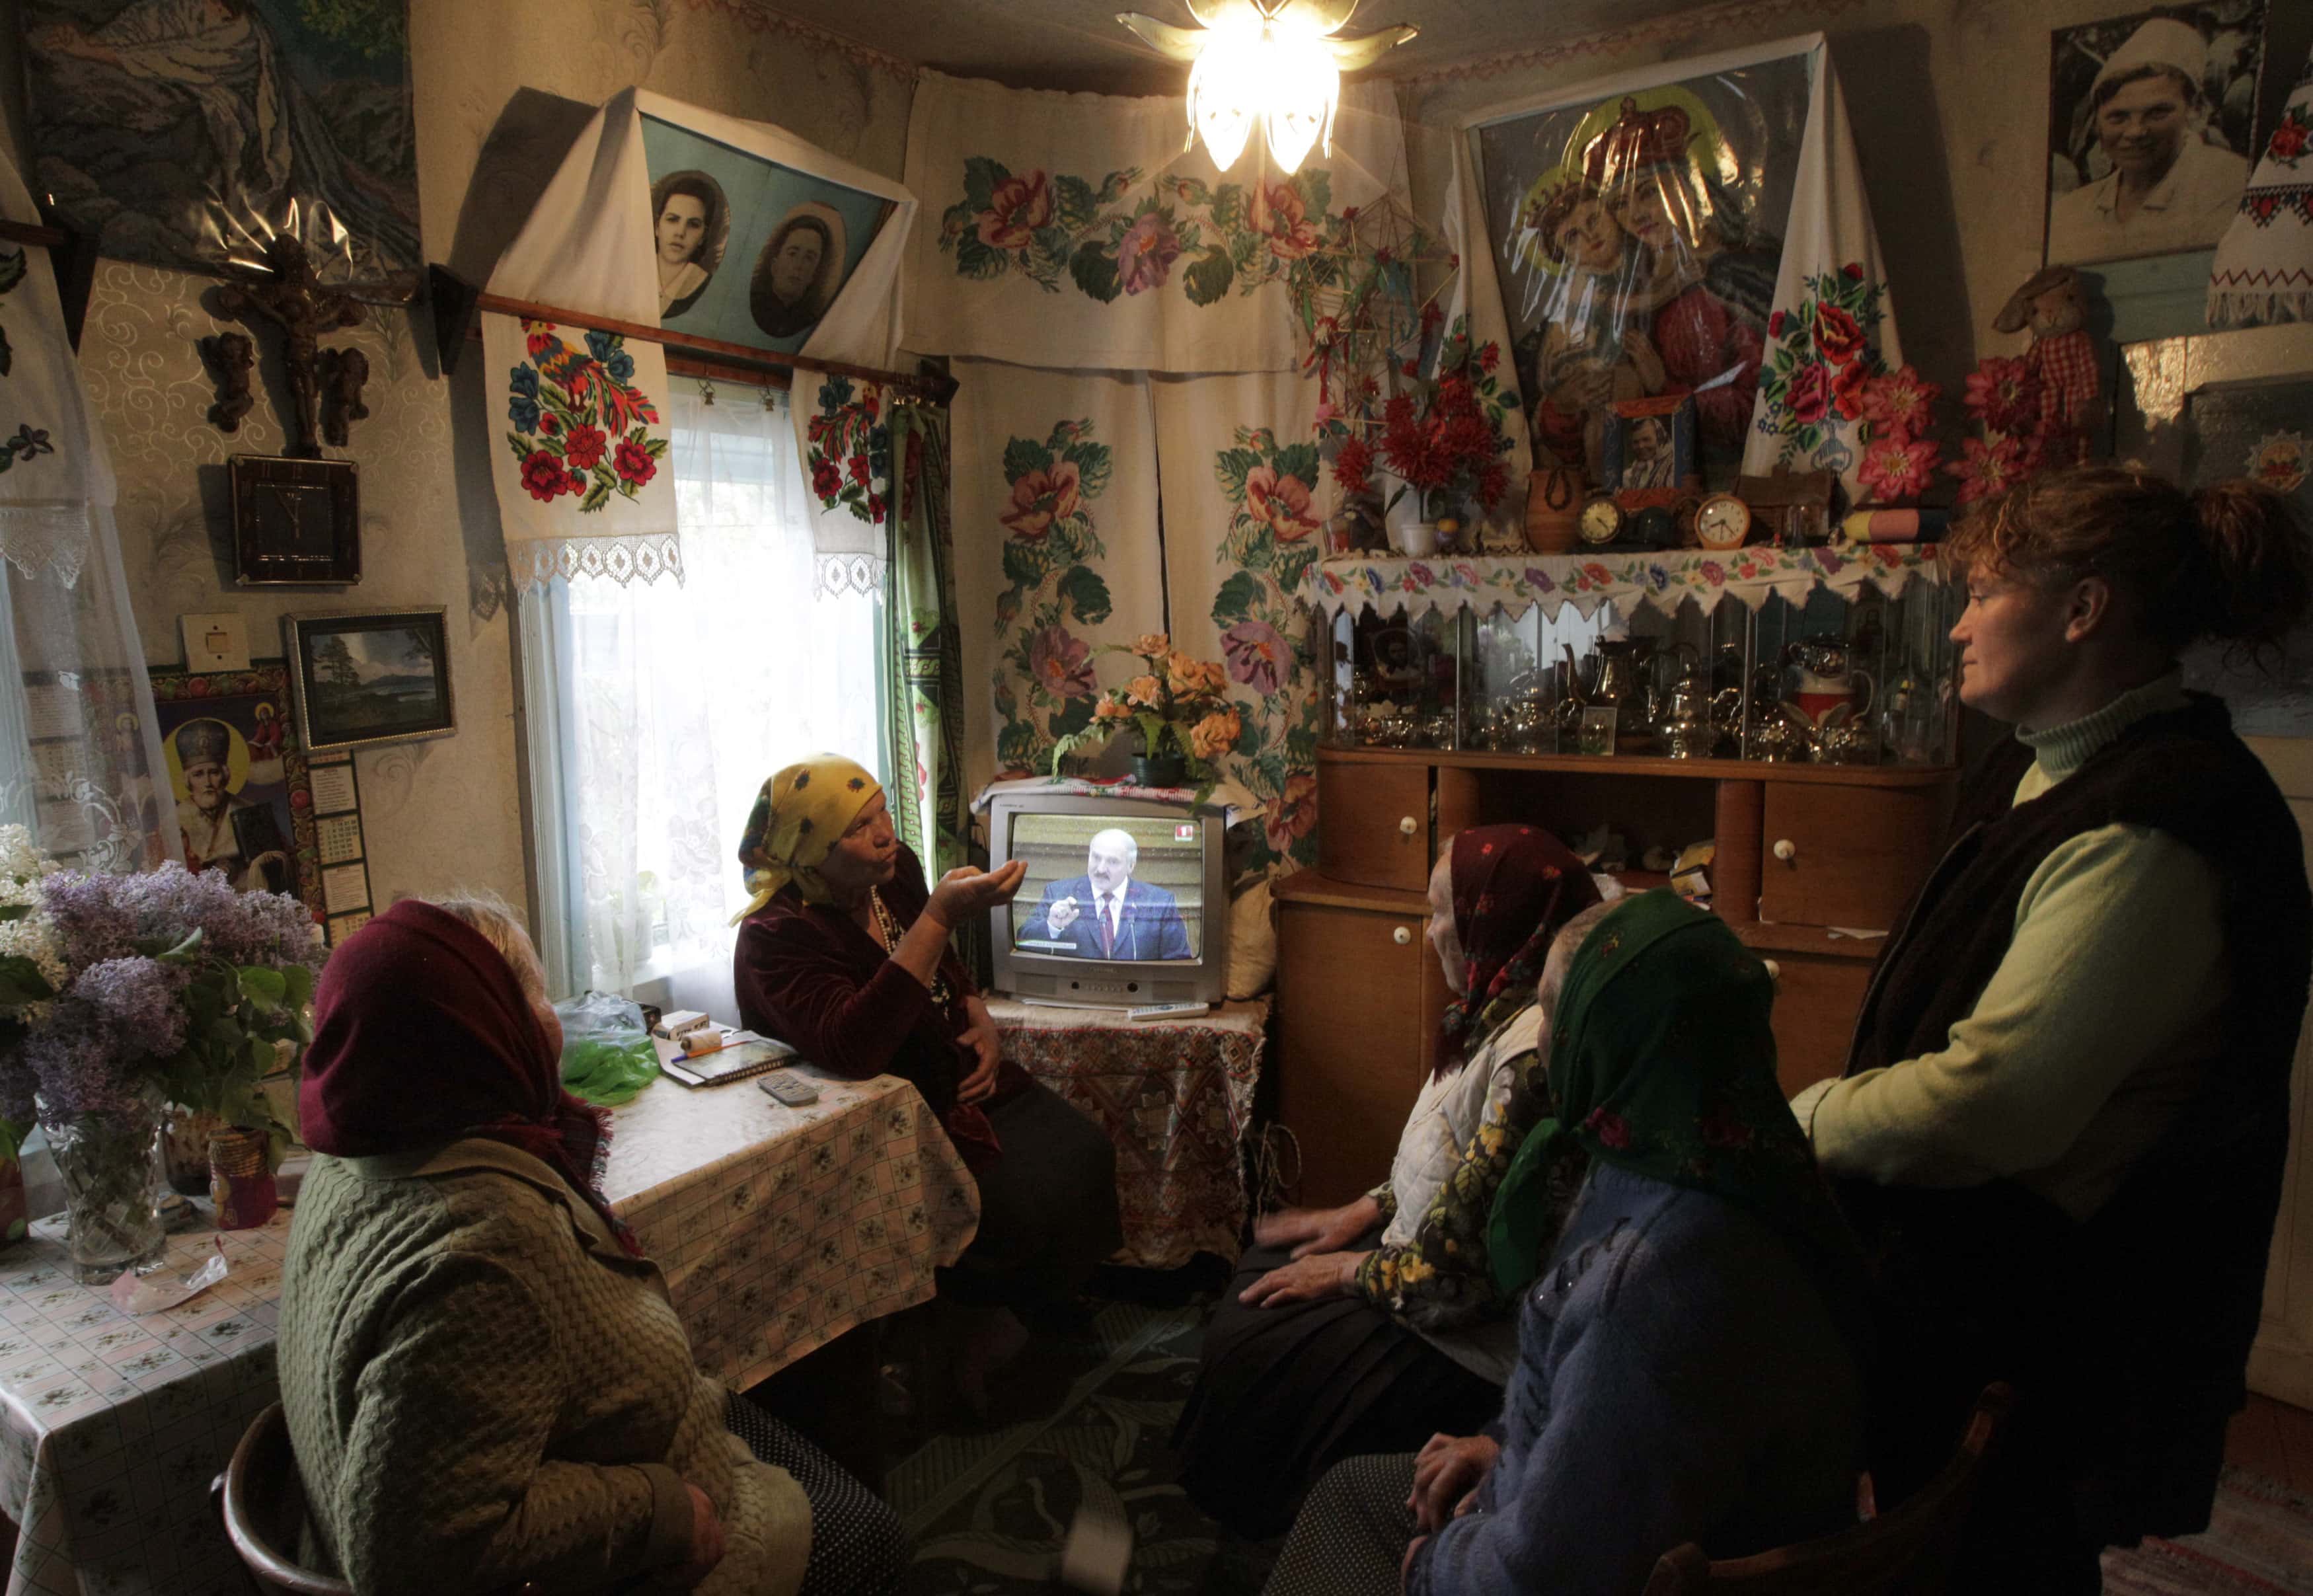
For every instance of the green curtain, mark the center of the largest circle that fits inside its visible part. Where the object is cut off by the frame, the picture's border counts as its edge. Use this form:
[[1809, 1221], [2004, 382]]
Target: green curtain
[[923, 717]]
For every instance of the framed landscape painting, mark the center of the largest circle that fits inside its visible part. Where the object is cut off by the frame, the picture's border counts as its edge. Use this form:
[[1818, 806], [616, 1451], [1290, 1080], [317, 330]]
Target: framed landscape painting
[[368, 676]]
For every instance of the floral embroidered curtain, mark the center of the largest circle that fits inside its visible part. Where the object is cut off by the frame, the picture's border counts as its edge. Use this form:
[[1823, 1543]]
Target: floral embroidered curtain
[[1699, 227]]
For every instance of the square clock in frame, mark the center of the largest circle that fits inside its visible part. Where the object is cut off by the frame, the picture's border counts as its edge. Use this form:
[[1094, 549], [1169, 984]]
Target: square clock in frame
[[294, 521]]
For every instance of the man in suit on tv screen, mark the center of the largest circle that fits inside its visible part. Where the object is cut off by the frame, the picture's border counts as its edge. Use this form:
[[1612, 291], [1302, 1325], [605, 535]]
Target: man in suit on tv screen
[[1104, 913]]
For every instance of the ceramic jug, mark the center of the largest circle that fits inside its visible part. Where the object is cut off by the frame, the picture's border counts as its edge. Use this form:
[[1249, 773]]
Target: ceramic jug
[[1824, 687]]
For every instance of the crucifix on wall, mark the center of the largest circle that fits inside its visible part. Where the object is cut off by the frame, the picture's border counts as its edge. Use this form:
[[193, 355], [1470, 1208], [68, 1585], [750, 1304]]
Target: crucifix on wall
[[293, 299]]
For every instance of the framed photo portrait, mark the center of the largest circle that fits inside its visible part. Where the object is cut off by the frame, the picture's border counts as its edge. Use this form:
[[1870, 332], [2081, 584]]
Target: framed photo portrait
[[2150, 127], [294, 521], [370, 676], [1650, 445], [243, 798], [749, 250]]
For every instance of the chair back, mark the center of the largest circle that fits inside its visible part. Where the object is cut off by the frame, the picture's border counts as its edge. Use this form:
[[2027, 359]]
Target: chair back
[[1907, 1552], [263, 1504]]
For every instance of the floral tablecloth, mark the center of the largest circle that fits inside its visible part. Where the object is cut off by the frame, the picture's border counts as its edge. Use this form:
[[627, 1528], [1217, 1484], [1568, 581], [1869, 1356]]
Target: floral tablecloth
[[1667, 580], [778, 1228], [1176, 1096]]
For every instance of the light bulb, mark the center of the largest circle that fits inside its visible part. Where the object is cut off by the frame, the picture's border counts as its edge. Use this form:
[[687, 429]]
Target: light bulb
[[1225, 89], [1302, 85]]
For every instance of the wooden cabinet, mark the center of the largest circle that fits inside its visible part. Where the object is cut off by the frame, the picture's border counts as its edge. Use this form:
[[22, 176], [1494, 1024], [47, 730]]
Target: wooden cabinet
[[1800, 849], [1358, 994]]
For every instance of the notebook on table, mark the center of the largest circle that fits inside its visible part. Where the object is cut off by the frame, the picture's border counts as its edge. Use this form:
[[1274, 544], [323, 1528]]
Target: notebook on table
[[742, 1055]]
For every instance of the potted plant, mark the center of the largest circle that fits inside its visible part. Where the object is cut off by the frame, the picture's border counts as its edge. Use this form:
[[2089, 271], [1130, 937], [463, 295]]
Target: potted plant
[[1443, 439], [1177, 708], [121, 994]]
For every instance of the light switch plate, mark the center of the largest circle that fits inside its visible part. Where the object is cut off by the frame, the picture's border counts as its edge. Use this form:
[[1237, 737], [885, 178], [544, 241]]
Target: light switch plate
[[215, 642]]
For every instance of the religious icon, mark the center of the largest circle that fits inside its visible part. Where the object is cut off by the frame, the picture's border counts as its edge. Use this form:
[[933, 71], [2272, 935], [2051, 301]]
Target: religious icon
[[242, 802]]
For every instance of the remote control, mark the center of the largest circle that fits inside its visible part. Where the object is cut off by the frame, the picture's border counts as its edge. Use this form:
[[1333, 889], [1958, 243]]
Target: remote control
[[1169, 1010], [793, 1090]]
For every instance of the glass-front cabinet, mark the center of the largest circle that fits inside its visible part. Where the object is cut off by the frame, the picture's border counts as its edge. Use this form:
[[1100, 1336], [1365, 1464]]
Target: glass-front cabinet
[[1788, 656]]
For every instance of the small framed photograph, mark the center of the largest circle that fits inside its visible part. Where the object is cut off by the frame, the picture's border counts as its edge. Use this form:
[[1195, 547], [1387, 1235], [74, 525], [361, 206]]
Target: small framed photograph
[[1595, 732], [1650, 445], [294, 521], [244, 799], [370, 676]]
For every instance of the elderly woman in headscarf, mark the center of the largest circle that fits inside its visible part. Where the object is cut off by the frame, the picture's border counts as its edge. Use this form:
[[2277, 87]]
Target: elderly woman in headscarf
[[484, 1379], [1691, 1354], [844, 954], [1366, 1327]]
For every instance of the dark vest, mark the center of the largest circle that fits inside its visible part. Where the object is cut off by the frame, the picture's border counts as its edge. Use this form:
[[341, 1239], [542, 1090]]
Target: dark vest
[[2127, 1335]]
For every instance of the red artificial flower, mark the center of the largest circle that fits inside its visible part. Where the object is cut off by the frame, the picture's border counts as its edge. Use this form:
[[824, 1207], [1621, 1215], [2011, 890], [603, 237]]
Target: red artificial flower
[[1895, 467], [634, 463], [542, 476], [584, 447], [1837, 335], [1809, 395], [1847, 389], [2004, 395], [1988, 466], [1019, 207], [1353, 467], [1900, 403]]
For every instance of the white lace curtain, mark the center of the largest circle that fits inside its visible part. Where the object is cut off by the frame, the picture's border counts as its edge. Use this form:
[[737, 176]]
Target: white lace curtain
[[656, 711]]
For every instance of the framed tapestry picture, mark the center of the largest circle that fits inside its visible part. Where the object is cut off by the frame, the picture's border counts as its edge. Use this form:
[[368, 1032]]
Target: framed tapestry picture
[[370, 676], [244, 803], [2151, 121]]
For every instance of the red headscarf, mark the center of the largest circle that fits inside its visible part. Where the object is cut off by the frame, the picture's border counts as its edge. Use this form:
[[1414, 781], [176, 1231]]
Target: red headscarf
[[1514, 886], [422, 1034]]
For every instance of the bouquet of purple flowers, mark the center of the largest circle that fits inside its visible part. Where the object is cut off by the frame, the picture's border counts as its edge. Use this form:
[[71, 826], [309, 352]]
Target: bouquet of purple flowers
[[116, 987]]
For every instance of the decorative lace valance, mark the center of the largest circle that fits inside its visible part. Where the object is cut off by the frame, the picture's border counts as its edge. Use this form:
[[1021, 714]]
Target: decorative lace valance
[[35, 538], [1665, 580]]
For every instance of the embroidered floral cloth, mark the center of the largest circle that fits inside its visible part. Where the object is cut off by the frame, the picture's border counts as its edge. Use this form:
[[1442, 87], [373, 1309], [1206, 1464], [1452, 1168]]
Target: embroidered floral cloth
[[1665, 580], [778, 1228], [1073, 230], [1176, 1096], [2263, 269]]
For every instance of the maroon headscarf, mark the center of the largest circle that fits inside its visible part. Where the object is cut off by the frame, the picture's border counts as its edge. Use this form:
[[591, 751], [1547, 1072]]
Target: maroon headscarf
[[421, 1036], [1514, 886]]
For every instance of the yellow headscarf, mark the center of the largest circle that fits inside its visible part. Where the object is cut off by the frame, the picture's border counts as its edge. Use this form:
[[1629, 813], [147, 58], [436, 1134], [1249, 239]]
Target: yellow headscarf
[[799, 816]]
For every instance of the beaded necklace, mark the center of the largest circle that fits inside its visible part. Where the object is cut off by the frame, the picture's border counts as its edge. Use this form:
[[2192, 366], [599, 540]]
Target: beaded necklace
[[887, 932]]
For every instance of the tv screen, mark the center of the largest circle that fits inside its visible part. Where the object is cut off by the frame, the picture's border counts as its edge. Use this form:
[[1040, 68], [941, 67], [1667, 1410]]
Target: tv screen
[[1119, 889]]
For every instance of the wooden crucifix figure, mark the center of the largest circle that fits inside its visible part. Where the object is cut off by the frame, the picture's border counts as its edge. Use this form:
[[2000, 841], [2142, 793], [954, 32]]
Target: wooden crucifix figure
[[291, 297]]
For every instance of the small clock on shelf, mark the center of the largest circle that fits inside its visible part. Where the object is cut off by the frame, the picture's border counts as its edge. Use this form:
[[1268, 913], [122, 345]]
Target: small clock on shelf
[[1603, 520], [1722, 522]]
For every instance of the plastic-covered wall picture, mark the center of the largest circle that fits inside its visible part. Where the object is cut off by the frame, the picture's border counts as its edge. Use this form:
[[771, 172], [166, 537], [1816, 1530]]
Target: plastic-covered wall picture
[[192, 133], [1638, 238]]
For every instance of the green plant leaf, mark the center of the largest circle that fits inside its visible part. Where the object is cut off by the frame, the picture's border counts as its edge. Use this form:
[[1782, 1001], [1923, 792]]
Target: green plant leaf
[[20, 982], [1207, 281], [1093, 268], [1086, 594], [14, 910], [264, 987]]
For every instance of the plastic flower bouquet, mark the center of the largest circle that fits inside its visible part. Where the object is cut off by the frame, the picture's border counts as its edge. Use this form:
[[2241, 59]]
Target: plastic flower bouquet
[[1177, 706]]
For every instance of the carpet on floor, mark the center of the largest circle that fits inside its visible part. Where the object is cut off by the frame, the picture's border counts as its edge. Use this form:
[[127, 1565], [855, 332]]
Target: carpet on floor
[[2259, 1539], [1085, 1422]]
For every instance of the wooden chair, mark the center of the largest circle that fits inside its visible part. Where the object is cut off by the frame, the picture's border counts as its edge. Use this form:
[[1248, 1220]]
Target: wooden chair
[[263, 1504], [1903, 1553]]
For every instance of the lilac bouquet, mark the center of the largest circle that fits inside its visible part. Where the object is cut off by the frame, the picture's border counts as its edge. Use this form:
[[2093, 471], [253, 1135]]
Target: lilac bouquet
[[117, 988]]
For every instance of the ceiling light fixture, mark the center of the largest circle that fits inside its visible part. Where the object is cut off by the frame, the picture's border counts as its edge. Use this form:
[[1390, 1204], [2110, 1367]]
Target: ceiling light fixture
[[1274, 62]]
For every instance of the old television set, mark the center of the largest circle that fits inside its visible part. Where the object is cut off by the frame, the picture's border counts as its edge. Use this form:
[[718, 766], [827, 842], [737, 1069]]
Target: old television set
[[1125, 900]]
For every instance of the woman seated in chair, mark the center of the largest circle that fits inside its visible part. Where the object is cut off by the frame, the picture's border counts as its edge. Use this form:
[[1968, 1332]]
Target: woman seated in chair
[[1688, 1357], [1366, 1328], [844, 955], [484, 1381]]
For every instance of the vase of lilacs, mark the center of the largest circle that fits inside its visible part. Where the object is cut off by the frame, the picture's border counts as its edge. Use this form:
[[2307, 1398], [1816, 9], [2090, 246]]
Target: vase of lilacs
[[119, 995]]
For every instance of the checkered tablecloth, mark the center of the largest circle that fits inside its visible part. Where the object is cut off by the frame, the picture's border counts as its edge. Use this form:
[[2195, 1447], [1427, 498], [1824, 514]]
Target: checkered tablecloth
[[778, 1228], [1176, 1096]]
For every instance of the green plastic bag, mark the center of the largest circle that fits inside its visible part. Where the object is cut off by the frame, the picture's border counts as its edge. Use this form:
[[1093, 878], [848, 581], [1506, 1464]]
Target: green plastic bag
[[607, 1056]]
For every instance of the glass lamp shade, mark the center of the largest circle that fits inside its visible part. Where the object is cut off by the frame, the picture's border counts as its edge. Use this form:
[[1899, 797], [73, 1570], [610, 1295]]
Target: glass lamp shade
[[1303, 86], [1226, 90]]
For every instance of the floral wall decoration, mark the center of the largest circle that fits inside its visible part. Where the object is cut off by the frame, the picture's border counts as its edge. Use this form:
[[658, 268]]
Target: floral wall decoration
[[849, 449], [1824, 351], [1045, 688], [580, 425]]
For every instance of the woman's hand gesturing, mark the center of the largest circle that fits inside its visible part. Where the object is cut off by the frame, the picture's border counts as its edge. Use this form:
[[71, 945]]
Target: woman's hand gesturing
[[964, 892]]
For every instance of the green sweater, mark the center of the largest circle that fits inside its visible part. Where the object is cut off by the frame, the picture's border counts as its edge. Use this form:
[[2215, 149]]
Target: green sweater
[[2093, 1032], [482, 1388]]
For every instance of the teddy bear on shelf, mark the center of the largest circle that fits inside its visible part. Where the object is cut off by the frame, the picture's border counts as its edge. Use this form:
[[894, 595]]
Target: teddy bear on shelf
[[2062, 359]]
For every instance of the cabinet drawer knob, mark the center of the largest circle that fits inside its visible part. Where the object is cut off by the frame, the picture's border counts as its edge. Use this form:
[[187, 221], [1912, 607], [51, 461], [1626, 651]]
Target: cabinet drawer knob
[[1407, 826], [1401, 935], [1785, 851]]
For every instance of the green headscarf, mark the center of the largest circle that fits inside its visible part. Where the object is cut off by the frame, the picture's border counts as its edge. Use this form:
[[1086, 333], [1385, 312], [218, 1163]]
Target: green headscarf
[[1662, 1061], [799, 816]]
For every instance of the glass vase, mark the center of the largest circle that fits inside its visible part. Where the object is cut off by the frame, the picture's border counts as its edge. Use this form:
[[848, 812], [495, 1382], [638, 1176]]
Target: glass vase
[[111, 1164]]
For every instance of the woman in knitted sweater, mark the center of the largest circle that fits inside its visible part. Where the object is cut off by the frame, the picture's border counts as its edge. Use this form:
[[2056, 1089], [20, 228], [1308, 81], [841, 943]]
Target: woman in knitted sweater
[[484, 1379], [2073, 1059]]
